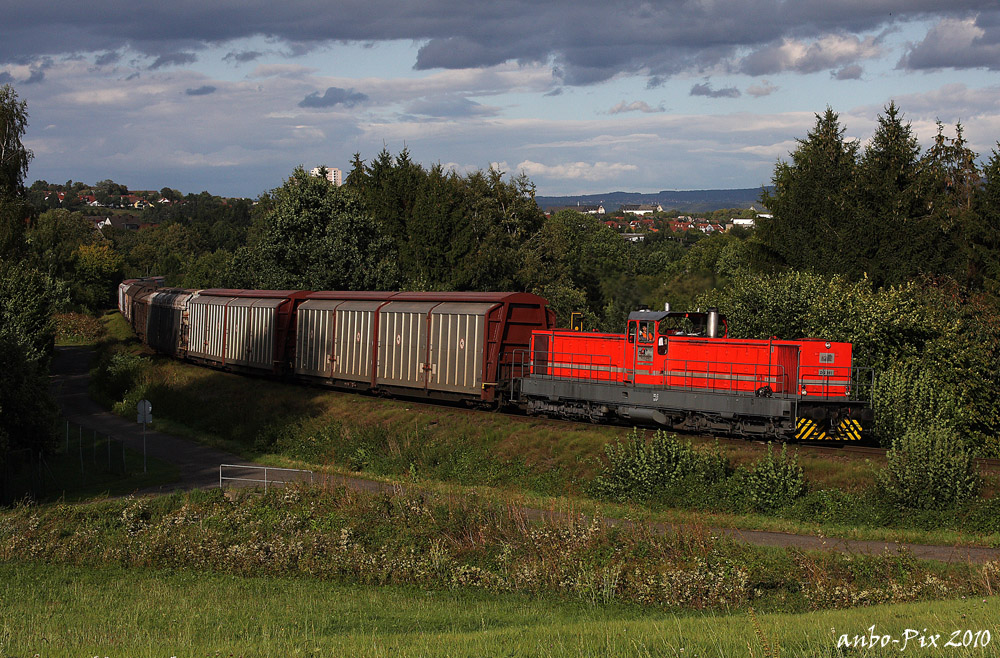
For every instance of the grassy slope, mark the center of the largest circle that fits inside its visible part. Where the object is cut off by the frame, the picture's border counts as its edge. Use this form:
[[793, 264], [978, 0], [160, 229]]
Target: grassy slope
[[69, 611]]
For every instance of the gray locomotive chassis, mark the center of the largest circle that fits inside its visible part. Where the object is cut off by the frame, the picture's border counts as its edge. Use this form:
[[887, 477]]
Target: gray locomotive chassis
[[771, 415]]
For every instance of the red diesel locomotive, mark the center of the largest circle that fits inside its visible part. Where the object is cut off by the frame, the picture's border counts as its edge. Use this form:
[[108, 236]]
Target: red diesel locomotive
[[679, 370], [675, 370]]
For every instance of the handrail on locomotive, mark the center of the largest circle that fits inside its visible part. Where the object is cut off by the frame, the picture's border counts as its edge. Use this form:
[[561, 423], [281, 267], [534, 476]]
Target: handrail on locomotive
[[862, 379]]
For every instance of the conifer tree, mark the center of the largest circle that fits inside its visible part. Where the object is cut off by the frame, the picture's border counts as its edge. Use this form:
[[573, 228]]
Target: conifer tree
[[812, 206], [889, 202]]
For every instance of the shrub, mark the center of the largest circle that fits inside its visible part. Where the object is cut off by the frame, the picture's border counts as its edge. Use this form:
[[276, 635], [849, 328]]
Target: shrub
[[640, 469], [910, 394], [774, 481], [928, 469], [117, 373]]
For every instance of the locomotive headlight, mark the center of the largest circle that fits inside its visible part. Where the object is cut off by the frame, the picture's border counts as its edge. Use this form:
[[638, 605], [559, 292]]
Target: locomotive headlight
[[803, 390]]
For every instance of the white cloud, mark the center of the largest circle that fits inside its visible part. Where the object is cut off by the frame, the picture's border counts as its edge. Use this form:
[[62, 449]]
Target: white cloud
[[635, 106], [955, 43], [588, 171], [761, 89], [830, 51]]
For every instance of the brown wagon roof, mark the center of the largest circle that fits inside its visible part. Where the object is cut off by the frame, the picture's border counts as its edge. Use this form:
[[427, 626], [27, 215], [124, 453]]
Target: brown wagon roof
[[464, 296], [238, 292]]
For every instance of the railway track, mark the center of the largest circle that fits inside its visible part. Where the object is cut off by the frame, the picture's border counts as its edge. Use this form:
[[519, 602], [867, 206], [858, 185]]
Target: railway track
[[985, 463]]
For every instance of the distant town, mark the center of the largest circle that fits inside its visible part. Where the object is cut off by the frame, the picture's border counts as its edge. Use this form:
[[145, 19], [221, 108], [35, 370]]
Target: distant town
[[114, 205], [636, 221]]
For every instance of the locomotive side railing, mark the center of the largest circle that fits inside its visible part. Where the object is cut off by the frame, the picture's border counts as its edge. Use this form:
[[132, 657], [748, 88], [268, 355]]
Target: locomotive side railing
[[694, 375], [858, 383]]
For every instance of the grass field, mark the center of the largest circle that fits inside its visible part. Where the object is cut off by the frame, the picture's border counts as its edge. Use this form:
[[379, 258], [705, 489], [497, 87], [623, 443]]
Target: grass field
[[55, 611]]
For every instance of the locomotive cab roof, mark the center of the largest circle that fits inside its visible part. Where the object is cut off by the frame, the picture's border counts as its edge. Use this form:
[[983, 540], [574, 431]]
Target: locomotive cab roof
[[683, 323], [697, 317]]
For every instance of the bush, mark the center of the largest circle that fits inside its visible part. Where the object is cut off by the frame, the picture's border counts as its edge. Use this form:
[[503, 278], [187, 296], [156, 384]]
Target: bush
[[912, 395], [774, 481], [641, 470], [929, 469], [117, 373]]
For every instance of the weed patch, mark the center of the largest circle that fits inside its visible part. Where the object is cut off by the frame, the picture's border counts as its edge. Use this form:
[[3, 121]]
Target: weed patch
[[77, 329], [443, 543]]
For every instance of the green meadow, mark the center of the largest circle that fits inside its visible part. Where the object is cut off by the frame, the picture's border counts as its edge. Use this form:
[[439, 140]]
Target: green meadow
[[54, 611]]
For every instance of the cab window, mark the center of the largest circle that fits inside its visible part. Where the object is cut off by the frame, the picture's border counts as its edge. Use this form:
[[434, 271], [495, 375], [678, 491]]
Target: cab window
[[646, 331], [631, 332]]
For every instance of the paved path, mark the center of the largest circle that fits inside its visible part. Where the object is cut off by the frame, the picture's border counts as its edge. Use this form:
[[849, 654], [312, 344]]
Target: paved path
[[198, 464], [199, 468]]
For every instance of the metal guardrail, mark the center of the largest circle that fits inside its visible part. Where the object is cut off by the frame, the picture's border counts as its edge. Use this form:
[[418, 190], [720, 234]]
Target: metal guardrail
[[688, 374], [267, 470]]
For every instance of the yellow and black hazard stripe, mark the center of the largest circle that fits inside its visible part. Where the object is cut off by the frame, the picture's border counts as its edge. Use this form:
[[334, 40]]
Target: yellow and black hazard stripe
[[809, 430], [849, 429]]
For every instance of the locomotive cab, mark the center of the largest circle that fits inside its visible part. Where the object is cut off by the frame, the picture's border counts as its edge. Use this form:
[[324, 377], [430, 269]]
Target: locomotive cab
[[646, 325], [653, 329]]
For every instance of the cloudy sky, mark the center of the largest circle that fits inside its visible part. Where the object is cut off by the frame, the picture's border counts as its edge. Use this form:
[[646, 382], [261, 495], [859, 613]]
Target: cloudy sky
[[584, 96]]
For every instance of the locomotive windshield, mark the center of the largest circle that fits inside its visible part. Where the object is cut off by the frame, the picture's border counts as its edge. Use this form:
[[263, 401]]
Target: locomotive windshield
[[690, 324], [680, 326]]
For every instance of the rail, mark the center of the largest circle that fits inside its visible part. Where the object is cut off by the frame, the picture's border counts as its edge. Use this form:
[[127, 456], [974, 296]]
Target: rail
[[267, 470]]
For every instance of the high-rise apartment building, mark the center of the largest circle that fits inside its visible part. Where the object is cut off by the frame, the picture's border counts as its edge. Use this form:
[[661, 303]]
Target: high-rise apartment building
[[332, 174]]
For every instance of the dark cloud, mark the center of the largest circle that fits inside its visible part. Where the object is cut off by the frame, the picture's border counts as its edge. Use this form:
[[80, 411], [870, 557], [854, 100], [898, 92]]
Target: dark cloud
[[108, 58], [173, 59], [589, 40], [459, 53], [6, 78], [849, 72], [37, 75], [243, 56], [705, 89], [957, 43], [200, 91], [334, 96]]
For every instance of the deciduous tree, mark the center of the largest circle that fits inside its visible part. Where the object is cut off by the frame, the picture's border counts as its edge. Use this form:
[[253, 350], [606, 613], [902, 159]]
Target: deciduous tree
[[312, 235]]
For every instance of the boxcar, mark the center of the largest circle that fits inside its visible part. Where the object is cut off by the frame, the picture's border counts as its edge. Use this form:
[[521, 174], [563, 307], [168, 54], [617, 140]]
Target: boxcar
[[242, 329], [450, 345], [167, 329]]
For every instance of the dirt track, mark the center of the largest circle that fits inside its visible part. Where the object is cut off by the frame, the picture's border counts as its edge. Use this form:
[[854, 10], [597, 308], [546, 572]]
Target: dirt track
[[199, 468]]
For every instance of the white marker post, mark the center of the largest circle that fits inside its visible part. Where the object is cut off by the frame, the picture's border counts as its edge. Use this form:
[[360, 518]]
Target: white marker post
[[145, 409]]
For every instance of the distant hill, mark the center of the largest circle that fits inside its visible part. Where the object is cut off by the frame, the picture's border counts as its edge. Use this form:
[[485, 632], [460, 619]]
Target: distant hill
[[687, 201]]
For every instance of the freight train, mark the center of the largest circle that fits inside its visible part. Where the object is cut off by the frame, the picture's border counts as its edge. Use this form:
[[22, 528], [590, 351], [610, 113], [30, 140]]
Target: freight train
[[677, 370]]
